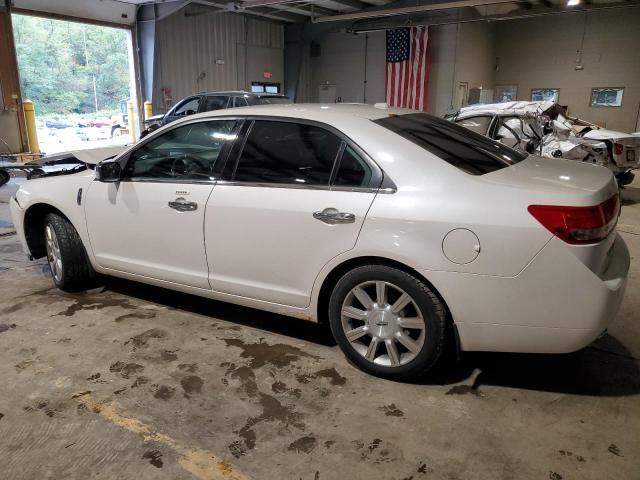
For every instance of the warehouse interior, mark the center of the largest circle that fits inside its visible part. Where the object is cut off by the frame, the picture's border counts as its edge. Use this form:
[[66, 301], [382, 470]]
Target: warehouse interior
[[134, 380]]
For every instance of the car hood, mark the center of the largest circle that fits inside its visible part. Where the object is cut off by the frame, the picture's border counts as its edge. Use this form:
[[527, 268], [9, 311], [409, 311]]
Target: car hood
[[154, 118], [91, 156]]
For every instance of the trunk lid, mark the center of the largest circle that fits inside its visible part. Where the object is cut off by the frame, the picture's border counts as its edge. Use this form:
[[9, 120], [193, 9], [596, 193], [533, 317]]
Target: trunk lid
[[552, 183], [557, 181], [625, 148]]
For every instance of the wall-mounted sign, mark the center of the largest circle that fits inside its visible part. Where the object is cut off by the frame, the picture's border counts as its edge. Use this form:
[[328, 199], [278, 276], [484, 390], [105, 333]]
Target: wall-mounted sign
[[267, 74], [505, 93], [607, 97], [545, 94]]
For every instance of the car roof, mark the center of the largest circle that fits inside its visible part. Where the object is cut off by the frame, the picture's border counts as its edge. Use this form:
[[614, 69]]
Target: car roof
[[311, 111], [518, 108], [242, 92]]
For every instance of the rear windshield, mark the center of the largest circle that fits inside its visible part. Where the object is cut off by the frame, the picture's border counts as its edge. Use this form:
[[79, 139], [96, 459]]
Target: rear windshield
[[462, 148]]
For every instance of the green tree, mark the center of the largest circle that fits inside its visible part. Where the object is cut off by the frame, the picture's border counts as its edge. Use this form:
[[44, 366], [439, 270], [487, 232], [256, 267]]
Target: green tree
[[59, 60]]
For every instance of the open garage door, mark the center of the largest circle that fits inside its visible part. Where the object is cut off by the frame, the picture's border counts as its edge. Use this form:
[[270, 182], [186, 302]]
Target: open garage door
[[79, 78]]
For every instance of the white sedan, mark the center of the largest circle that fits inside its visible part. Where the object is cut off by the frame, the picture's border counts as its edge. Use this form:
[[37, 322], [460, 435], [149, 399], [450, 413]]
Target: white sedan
[[401, 230]]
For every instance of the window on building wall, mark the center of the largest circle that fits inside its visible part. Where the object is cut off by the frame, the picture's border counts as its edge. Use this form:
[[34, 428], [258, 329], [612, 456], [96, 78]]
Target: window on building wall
[[265, 87], [607, 97], [545, 94]]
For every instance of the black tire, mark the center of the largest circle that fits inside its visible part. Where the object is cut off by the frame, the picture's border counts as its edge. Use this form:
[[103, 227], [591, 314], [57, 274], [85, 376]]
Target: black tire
[[431, 308], [4, 177], [77, 273]]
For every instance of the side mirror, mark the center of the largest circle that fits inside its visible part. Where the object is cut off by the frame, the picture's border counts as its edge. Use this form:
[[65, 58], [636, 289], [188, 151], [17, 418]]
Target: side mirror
[[108, 172]]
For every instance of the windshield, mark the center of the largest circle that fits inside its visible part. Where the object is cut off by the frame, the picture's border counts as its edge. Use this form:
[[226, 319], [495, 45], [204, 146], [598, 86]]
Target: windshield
[[462, 148]]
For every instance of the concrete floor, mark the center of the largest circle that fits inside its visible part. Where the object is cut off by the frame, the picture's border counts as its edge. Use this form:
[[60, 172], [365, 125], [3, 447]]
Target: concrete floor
[[137, 382]]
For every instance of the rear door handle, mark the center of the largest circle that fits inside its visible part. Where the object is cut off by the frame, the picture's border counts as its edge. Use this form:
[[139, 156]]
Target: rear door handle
[[183, 205], [332, 216]]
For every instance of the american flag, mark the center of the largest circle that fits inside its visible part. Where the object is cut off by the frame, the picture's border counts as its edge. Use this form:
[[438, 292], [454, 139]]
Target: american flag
[[407, 68]]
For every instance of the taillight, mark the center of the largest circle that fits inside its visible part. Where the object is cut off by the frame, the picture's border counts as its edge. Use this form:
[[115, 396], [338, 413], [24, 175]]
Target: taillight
[[618, 148], [579, 225]]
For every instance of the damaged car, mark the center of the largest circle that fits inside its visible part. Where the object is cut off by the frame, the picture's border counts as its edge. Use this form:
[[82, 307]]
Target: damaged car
[[60, 163], [548, 130]]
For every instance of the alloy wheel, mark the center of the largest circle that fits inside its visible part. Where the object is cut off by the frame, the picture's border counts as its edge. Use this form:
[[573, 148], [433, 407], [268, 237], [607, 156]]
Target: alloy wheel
[[53, 253], [383, 323]]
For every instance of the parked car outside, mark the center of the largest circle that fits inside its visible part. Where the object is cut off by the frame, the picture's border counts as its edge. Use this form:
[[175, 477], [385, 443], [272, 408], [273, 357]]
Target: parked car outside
[[210, 101], [58, 124], [400, 230], [546, 128], [101, 122]]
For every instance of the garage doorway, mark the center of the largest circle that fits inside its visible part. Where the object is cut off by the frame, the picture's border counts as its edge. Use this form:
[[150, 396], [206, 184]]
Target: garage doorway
[[79, 77]]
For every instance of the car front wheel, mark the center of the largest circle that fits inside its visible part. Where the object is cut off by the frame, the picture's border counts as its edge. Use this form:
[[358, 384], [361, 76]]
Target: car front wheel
[[67, 258], [387, 321], [4, 177]]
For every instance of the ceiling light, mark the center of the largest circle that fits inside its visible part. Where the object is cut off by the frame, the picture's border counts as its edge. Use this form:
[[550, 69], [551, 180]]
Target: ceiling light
[[573, 3]]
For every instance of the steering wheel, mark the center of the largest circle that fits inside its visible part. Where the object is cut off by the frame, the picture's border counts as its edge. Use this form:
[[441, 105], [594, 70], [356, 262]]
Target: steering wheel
[[179, 167], [188, 167]]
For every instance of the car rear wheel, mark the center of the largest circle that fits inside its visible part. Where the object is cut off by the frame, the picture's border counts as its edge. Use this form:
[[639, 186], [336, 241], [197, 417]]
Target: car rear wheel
[[387, 321], [67, 258]]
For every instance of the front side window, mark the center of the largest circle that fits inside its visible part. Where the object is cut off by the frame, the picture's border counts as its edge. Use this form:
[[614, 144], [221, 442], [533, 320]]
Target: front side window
[[215, 103], [189, 107], [188, 152], [289, 153], [470, 152], [478, 124]]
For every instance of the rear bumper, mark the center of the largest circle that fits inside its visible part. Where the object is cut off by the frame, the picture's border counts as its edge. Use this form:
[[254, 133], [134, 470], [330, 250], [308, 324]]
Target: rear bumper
[[555, 305]]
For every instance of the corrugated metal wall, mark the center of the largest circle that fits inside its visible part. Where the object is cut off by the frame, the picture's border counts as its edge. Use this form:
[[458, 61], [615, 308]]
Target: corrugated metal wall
[[188, 46]]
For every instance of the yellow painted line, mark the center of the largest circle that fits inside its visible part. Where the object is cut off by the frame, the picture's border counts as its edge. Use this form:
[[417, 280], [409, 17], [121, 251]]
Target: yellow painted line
[[201, 463]]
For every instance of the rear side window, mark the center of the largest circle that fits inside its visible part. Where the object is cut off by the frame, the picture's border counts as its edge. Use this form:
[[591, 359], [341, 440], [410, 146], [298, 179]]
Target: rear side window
[[462, 148], [352, 170], [240, 102], [284, 152]]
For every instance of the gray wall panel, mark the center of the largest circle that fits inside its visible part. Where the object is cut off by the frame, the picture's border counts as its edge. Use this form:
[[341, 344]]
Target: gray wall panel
[[188, 47]]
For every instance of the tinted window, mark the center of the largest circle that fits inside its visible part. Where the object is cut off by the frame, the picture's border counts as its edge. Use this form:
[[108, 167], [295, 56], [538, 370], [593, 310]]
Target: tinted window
[[353, 171], [476, 124], [215, 103], [283, 152], [184, 153], [240, 102], [189, 107], [462, 148]]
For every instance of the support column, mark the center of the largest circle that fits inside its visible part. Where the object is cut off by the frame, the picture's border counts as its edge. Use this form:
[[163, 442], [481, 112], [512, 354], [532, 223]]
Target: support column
[[13, 131], [146, 19]]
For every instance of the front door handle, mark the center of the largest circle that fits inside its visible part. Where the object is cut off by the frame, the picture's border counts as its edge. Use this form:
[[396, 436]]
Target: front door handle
[[332, 216], [183, 205]]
